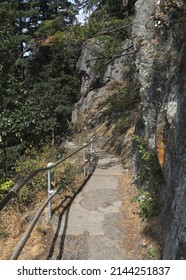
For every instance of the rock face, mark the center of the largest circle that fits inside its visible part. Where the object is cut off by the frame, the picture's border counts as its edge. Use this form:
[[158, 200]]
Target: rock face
[[91, 88], [159, 30]]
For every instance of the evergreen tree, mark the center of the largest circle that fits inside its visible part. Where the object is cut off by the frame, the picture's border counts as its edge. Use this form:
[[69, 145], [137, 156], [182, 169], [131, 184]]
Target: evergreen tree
[[37, 87]]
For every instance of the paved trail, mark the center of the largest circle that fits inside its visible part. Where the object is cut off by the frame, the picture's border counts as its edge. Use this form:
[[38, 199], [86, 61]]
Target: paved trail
[[90, 228]]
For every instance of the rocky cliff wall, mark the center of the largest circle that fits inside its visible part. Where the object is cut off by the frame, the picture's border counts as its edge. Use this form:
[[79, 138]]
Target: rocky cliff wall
[[92, 84], [159, 32]]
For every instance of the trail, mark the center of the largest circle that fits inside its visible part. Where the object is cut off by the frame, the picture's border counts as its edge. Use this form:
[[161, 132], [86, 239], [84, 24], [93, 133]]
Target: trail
[[90, 228]]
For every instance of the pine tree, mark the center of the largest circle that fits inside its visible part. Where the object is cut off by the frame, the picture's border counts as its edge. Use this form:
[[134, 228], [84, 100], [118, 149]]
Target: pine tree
[[36, 80]]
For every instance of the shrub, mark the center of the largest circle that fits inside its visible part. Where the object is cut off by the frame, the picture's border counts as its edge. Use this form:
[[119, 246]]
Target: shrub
[[32, 160], [5, 185], [124, 99], [60, 174], [149, 179]]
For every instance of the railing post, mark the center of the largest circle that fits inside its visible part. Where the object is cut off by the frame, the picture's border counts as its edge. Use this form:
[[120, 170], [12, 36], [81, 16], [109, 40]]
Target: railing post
[[91, 147], [49, 191], [91, 154], [84, 159]]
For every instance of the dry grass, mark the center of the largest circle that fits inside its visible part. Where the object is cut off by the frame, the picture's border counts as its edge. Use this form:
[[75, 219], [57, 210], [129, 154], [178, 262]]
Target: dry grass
[[15, 223], [143, 238], [15, 220], [16, 217]]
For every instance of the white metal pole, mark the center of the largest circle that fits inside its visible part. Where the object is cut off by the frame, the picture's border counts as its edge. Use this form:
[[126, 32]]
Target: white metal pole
[[84, 159], [49, 191], [91, 155]]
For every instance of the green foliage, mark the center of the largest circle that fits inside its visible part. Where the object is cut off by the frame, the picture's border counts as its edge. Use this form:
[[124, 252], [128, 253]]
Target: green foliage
[[5, 185], [154, 254], [150, 179], [150, 174], [31, 160], [24, 168], [64, 173], [41, 230], [34, 159], [149, 203], [108, 49], [38, 80], [109, 8], [72, 36], [124, 100], [109, 35]]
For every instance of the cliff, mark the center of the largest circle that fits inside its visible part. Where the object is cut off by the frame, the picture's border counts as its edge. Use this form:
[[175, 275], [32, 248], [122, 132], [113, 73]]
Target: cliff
[[159, 29], [153, 74]]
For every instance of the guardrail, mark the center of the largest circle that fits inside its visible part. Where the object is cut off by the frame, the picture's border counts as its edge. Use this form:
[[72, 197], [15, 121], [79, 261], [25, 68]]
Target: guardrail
[[89, 157]]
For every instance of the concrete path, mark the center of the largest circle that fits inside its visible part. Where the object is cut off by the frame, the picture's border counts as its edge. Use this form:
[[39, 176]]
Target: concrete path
[[90, 228]]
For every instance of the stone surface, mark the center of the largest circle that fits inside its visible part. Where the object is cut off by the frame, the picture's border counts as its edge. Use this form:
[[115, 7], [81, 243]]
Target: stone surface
[[93, 92], [161, 44]]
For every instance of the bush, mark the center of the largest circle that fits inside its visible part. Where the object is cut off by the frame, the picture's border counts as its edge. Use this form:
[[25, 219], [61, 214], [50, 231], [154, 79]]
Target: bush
[[124, 99], [5, 185], [32, 160], [149, 203], [150, 179], [60, 174]]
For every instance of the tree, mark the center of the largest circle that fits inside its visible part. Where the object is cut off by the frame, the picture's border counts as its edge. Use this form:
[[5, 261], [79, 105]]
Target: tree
[[37, 87], [117, 8]]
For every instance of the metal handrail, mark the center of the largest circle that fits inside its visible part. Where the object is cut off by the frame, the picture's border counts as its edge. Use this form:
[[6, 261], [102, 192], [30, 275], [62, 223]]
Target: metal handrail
[[37, 216], [93, 159], [14, 191]]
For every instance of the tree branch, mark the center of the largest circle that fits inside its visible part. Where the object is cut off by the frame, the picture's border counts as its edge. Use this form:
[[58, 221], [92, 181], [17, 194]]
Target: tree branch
[[112, 58], [114, 30]]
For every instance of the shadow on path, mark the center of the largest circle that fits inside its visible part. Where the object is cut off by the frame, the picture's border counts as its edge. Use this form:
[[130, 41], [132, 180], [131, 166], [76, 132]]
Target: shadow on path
[[64, 215], [112, 163], [109, 163]]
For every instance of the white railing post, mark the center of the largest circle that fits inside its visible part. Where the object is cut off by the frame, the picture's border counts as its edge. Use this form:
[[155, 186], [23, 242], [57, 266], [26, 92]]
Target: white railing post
[[91, 155], [49, 191], [84, 159]]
